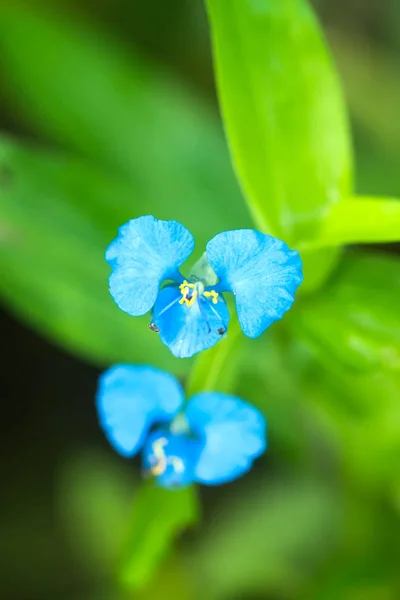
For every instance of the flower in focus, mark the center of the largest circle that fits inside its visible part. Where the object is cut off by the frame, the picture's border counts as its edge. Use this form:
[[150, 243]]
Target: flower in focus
[[212, 440], [191, 314]]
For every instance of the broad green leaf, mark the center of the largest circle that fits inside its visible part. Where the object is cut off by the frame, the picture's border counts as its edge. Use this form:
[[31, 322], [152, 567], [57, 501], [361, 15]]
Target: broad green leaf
[[81, 89], [57, 217], [361, 220], [283, 111], [355, 318], [158, 517]]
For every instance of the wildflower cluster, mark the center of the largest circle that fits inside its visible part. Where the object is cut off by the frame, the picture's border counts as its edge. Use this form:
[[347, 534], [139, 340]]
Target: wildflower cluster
[[215, 437], [212, 440]]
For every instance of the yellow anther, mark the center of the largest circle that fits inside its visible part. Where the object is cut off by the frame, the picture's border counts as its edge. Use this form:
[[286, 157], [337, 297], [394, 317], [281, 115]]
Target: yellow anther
[[159, 468], [177, 463], [185, 287], [163, 460], [161, 464], [190, 298], [213, 294], [185, 284]]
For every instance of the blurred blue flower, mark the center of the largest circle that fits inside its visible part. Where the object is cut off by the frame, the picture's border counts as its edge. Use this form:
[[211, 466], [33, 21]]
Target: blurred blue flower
[[191, 315], [212, 440]]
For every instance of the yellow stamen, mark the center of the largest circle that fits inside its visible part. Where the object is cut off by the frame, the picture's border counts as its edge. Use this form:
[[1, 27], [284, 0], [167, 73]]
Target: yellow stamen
[[185, 284], [177, 463], [162, 460], [161, 464], [213, 294], [185, 287]]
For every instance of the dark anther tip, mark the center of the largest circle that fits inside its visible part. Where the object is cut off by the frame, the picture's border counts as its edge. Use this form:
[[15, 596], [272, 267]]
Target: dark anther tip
[[221, 331], [153, 327]]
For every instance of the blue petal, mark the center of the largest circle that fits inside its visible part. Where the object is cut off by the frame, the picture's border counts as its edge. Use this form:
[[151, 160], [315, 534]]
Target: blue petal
[[171, 458], [130, 399], [261, 271], [234, 434], [186, 330], [145, 252]]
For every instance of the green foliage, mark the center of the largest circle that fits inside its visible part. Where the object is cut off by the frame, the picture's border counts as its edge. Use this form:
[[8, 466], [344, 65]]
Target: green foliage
[[75, 208], [158, 516], [277, 521], [95, 509], [283, 112], [361, 220], [134, 141], [363, 412], [93, 501], [108, 105], [58, 214], [218, 367], [354, 320], [353, 331]]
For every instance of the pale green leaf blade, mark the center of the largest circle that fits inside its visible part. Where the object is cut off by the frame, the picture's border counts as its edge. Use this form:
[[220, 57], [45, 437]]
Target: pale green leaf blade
[[361, 220], [57, 217], [283, 111]]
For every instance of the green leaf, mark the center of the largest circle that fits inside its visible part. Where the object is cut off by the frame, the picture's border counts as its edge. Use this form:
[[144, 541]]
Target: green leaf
[[283, 111], [159, 515], [361, 220], [57, 217], [84, 91], [355, 318]]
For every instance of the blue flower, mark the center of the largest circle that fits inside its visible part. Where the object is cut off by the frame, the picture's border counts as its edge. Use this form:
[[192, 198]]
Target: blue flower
[[191, 315], [212, 440]]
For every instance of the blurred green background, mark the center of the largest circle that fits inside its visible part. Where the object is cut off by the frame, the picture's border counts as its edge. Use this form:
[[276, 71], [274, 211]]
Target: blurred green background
[[109, 112]]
